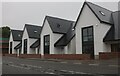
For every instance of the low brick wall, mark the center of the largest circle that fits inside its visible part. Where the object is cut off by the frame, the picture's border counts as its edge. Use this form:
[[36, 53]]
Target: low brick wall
[[68, 56], [10, 55], [54, 56], [5, 52], [109, 55], [30, 55]]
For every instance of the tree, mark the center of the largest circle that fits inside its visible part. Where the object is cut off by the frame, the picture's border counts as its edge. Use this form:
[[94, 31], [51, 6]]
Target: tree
[[5, 32]]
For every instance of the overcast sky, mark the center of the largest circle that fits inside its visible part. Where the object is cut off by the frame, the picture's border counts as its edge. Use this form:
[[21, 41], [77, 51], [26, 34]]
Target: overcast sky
[[17, 14]]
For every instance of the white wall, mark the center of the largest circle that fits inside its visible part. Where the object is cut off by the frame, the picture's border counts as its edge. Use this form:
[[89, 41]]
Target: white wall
[[31, 50], [86, 19], [71, 47], [10, 40], [30, 41], [53, 38], [45, 31], [100, 32], [25, 36], [14, 43], [57, 50], [36, 51]]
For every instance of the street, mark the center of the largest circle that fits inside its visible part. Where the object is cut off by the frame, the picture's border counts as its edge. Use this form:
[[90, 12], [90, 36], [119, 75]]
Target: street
[[12, 65]]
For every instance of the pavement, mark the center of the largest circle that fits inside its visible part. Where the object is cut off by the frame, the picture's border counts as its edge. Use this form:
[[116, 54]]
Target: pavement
[[59, 67]]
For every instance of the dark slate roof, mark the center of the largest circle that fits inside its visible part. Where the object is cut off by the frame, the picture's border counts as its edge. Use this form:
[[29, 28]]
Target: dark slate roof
[[104, 15], [107, 16], [114, 33], [17, 35], [66, 38], [33, 30], [116, 19], [36, 44], [18, 46], [59, 25]]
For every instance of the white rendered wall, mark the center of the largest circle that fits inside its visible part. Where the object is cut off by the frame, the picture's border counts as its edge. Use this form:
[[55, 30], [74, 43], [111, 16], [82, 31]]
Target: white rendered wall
[[14, 43], [36, 51], [25, 36], [57, 50], [71, 47], [30, 41], [86, 19], [31, 50], [100, 32], [46, 30], [10, 40]]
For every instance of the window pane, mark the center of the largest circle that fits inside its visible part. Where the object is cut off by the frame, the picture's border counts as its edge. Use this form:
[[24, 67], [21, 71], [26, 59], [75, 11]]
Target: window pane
[[47, 38], [47, 42], [84, 32], [90, 31], [90, 38], [85, 38], [88, 42]]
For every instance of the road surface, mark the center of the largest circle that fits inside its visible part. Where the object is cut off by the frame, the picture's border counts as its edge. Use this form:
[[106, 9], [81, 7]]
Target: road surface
[[12, 65]]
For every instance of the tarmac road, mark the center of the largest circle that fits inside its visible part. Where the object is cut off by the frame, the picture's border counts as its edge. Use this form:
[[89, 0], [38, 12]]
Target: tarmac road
[[12, 65]]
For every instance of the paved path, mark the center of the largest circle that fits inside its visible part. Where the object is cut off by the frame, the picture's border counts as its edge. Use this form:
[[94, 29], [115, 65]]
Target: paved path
[[13, 65]]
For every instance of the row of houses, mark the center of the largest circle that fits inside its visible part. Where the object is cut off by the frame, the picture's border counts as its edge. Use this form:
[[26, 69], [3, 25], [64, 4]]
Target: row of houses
[[95, 30]]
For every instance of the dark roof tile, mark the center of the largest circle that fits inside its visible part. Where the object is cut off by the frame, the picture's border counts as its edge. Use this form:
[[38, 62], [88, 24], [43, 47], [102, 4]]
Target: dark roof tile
[[104, 15], [59, 25], [18, 46], [17, 35], [33, 30], [35, 44], [66, 38], [113, 33]]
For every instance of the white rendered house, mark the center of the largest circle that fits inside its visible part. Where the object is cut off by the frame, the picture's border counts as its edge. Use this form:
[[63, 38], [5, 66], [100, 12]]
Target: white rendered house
[[57, 36], [15, 39], [95, 30], [31, 34]]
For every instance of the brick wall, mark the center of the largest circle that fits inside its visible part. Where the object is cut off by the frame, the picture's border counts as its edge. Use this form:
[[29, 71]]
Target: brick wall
[[54, 56], [30, 56], [68, 56], [109, 55], [10, 55]]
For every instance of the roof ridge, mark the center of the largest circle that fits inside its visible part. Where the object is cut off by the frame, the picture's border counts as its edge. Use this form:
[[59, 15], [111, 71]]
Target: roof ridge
[[115, 11], [98, 6], [59, 18], [32, 25], [16, 30]]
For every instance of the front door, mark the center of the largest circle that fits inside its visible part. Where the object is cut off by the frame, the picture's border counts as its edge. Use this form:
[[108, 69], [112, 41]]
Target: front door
[[88, 41], [20, 50], [10, 47], [25, 46], [46, 44]]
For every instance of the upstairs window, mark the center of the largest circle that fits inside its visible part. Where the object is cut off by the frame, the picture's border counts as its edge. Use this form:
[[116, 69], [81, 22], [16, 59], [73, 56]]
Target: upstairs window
[[87, 34]]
